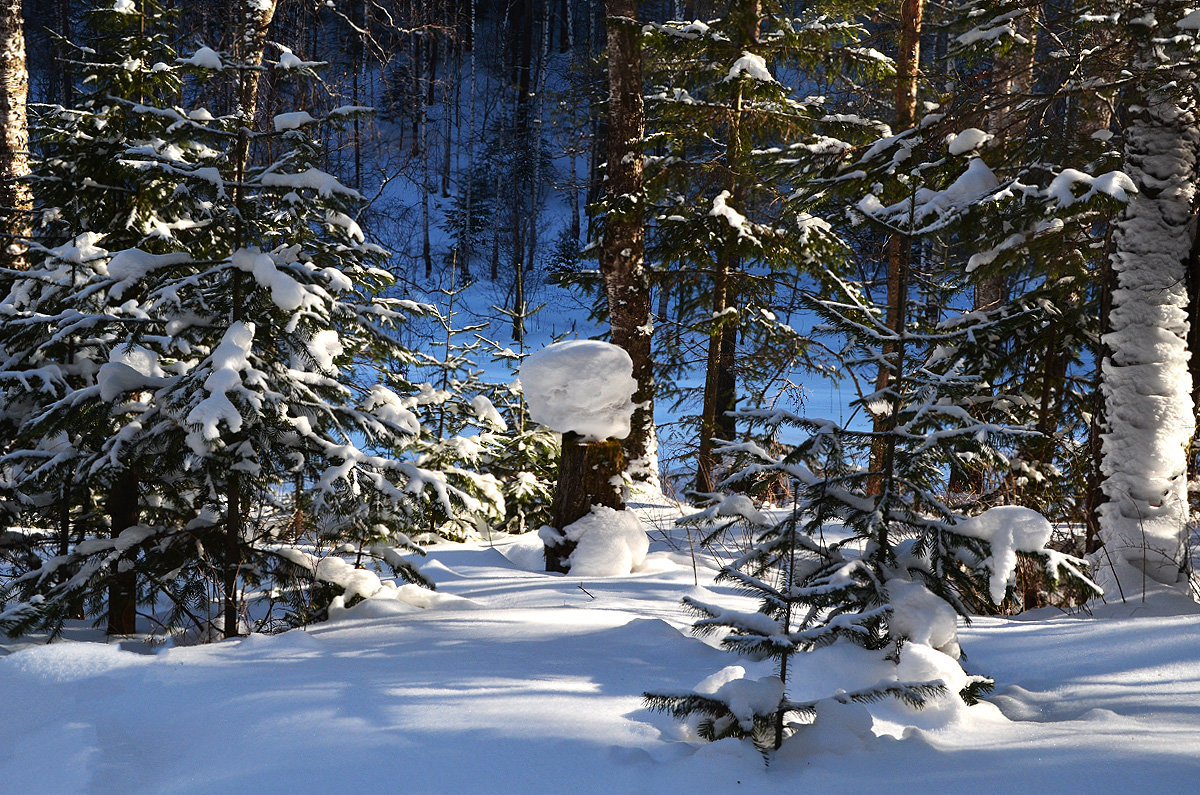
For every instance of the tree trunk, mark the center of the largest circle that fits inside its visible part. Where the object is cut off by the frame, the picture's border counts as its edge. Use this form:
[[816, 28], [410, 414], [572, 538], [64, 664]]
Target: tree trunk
[[249, 48], [588, 474], [234, 522], [1146, 382], [16, 199], [720, 382], [122, 587], [899, 254], [623, 247]]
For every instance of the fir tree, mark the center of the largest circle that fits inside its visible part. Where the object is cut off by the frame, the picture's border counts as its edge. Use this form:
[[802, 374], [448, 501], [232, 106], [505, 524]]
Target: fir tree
[[247, 345], [847, 564]]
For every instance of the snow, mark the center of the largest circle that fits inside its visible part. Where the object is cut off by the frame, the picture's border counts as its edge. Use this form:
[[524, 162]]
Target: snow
[[323, 183], [1114, 183], [129, 369], [752, 66], [968, 141], [286, 293], [609, 543], [1008, 529], [582, 386], [513, 680], [292, 121], [745, 697], [1190, 22], [229, 361], [736, 221], [325, 346], [922, 617], [204, 58]]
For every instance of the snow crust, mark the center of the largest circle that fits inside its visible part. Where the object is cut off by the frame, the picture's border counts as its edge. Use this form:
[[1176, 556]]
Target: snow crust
[[609, 543], [582, 386], [508, 679]]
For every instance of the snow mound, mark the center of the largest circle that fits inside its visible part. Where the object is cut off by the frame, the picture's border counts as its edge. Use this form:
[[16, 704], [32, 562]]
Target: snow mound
[[608, 543], [292, 121], [1009, 529], [67, 662], [752, 66], [922, 617], [583, 386]]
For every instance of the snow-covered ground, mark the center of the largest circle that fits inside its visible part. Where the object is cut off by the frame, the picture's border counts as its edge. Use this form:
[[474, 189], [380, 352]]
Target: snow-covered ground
[[518, 681]]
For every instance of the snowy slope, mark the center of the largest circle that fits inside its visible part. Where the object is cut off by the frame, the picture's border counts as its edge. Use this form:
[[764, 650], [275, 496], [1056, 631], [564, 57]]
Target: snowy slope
[[532, 682]]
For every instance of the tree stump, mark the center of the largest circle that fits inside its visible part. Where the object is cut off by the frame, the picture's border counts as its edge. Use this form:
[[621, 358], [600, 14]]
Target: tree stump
[[589, 473]]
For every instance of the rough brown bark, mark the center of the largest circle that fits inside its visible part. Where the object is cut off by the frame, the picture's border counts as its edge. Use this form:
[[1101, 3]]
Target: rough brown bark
[[585, 478], [899, 249], [720, 382], [623, 249], [122, 588], [234, 521], [16, 199]]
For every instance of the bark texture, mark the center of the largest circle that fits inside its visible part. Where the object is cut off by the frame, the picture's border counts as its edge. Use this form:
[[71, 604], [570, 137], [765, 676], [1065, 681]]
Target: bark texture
[[720, 380], [622, 252], [899, 247], [588, 474], [16, 199], [122, 588]]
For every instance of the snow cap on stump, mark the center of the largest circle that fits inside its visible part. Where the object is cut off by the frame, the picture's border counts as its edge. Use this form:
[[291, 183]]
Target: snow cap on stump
[[583, 386]]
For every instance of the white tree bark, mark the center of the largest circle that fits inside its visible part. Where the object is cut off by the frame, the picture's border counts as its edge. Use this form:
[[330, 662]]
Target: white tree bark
[[1146, 381], [16, 200]]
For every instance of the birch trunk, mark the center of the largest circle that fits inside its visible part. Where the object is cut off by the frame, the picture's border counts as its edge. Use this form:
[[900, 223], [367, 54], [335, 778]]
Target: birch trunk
[[16, 199]]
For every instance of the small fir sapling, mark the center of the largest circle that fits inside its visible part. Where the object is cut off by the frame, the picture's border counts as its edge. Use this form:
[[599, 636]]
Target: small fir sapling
[[524, 459], [459, 427], [889, 573]]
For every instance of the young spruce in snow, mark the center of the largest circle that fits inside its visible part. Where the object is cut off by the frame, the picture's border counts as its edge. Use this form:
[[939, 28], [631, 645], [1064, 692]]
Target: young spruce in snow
[[897, 569]]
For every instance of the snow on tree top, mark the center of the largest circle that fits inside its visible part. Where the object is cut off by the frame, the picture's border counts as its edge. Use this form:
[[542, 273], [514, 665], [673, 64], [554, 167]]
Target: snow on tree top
[[583, 386]]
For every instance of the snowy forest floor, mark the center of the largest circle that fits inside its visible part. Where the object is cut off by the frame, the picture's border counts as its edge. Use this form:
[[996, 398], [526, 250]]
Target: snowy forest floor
[[513, 680]]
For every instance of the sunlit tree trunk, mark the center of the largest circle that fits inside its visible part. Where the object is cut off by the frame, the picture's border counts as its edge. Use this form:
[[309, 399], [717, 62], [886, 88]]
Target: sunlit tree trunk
[[16, 200], [623, 248]]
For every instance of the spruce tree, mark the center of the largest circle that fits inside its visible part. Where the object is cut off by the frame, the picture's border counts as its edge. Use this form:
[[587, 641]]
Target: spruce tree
[[880, 569], [246, 348]]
